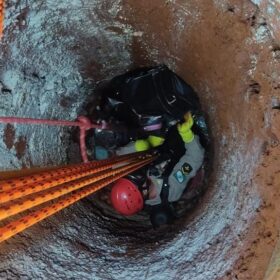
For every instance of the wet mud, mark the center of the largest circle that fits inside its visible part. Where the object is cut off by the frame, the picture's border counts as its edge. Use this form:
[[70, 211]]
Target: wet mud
[[53, 56]]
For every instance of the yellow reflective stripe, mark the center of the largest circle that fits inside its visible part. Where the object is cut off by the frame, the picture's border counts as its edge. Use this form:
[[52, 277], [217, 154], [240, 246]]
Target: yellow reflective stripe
[[187, 136], [155, 141], [185, 129], [142, 145]]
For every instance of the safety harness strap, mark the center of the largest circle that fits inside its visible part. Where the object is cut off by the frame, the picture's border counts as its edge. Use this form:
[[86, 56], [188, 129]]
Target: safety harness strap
[[164, 191]]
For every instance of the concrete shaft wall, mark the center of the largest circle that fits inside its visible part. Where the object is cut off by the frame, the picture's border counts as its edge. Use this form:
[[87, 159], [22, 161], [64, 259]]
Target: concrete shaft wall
[[271, 11], [53, 54]]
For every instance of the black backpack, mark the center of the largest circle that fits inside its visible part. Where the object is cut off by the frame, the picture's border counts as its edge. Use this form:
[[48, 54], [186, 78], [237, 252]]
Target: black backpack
[[142, 96]]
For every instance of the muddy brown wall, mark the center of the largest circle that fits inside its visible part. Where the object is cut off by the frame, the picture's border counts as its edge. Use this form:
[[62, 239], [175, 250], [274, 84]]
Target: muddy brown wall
[[52, 56], [228, 53]]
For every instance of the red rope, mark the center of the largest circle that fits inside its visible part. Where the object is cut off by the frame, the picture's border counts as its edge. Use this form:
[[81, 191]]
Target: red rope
[[82, 122]]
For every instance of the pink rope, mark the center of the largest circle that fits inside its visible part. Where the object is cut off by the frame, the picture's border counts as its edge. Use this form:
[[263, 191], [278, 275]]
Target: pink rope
[[85, 125], [48, 122], [82, 122]]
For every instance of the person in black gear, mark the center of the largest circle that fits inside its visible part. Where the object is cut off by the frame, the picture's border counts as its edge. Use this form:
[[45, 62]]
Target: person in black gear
[[162, 112]]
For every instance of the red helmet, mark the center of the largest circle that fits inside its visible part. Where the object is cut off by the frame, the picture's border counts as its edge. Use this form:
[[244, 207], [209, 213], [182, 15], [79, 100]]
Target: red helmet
[[126, 198]]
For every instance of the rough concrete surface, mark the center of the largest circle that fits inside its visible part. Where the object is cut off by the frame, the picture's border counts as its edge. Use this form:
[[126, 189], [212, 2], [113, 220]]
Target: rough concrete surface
[[53, 54]]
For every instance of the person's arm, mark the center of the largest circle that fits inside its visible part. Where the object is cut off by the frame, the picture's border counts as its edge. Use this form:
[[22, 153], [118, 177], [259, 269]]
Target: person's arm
[[189, 163]]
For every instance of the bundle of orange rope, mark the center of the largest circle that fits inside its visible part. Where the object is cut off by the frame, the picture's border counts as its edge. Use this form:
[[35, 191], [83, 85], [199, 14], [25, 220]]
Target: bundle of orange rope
[[59, 188], [2, 9]]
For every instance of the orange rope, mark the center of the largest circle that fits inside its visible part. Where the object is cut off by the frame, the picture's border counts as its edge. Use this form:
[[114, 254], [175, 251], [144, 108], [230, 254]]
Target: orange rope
[[27, 221], [2, 10], [40, 198], [11, 184], [20, 192]]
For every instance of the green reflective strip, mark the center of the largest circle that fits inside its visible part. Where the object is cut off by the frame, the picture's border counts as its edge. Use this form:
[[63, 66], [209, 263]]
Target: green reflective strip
[[155, 141], [187, 136], [142, 145]]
